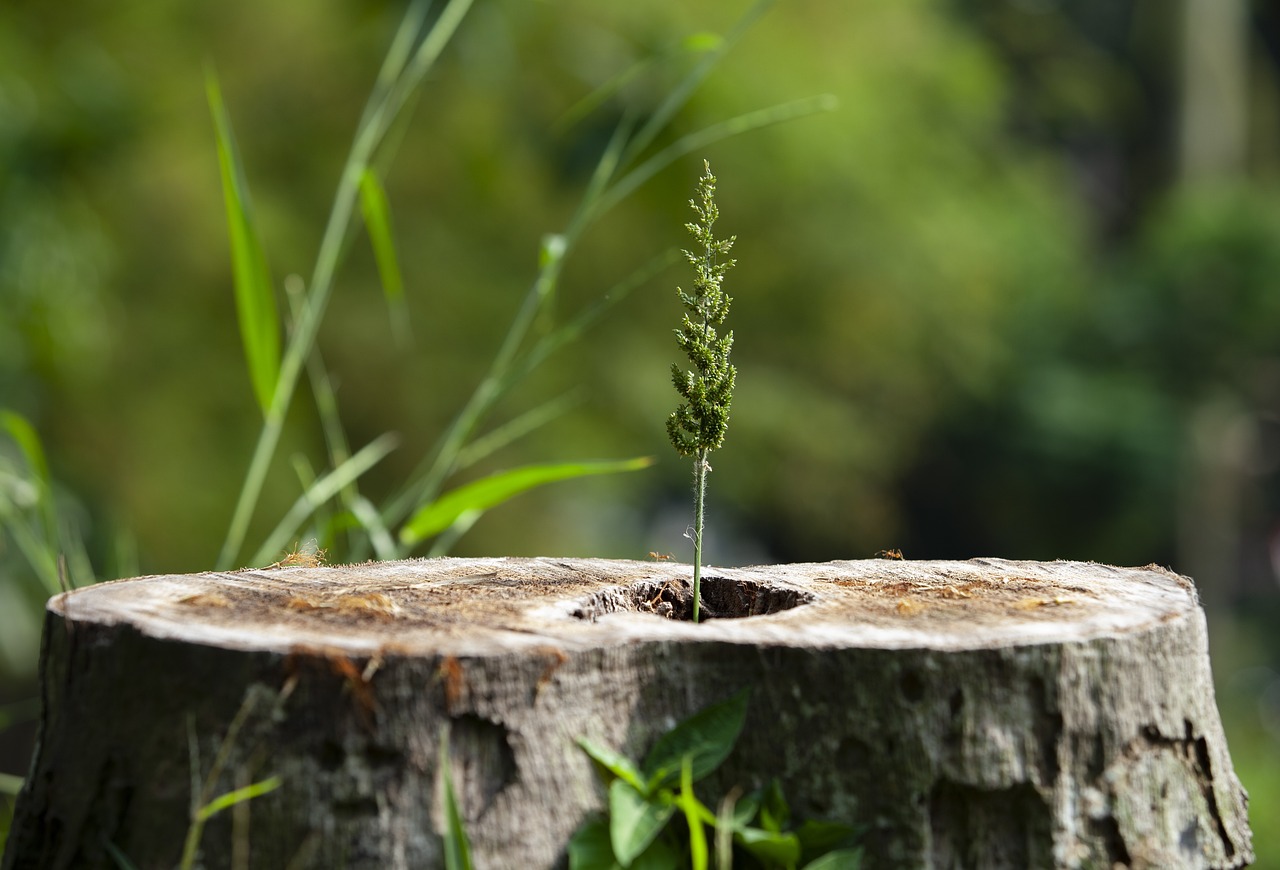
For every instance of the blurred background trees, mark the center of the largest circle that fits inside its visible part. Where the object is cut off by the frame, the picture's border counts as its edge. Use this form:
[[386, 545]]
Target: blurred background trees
[[1018, 296]]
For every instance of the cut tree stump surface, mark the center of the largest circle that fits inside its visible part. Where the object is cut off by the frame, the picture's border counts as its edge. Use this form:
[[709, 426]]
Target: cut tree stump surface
[[985, 713]]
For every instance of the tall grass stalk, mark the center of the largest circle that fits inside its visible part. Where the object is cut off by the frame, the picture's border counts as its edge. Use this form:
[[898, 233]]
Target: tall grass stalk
[[402, 71], [394, 529]]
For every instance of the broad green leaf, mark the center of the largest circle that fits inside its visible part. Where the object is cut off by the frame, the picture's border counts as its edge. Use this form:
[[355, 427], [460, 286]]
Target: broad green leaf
[[771, 847], [707, 737], [10, 784], [590, 849], [255, 298], [614, 762], [841, 859], [746, 809], [634, 820], [240, 795], [457, 848], [775, 814], [690, 806], [819, 837], [659, 856], [497, 488], [377, 221]]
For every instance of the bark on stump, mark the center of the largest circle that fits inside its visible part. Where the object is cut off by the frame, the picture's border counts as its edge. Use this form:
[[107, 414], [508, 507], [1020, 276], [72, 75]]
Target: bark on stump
[[966, 714]]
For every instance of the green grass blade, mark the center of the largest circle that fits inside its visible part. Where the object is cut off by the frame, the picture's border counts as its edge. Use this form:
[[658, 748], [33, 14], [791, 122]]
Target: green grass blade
[[322, 390], [384, 546], [457, 847], [493, 490], [580, 323], [707, 136], [396, 83], [696, 43], [515, 429], [240, 795], [28, 441], [724, 830], [191, 847], [255, 299], [325, 488], [377, 222], [690, 806], [24, 435], [680, 94]]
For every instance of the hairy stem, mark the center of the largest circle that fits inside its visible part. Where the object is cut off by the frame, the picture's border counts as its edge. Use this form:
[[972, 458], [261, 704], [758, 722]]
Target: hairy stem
[[700, 468]]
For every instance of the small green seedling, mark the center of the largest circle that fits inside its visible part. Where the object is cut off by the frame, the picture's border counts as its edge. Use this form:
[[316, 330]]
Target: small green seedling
[[698, 425], [656, 822]]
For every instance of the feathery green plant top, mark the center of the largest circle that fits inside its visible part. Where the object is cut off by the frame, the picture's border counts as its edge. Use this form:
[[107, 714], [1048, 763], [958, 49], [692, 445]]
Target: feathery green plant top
[[699, 423]]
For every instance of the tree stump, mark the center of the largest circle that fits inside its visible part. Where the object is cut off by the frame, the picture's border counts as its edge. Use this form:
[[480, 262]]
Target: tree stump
[[963, 714]]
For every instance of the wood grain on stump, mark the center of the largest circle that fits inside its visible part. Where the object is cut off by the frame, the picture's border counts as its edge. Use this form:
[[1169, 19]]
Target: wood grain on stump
[[964, 714]]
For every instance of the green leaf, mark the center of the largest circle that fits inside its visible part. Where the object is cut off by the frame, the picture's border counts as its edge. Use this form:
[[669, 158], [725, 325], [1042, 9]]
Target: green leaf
[[377, 221], [707, 737], [746, 809], [660, 855], [771, 847], [10, 784], [615, 763], [590, 849], [634, 820], [775, 814], [842, 859], [689, 804], [457, 848], [255, 299], [818, 837], [488, 492]]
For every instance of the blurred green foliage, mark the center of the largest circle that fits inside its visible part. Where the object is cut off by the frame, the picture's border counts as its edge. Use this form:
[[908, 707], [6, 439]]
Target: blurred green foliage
[[980, 310]]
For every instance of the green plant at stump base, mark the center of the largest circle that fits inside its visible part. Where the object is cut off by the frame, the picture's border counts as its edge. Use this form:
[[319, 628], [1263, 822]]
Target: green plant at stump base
[[698, 425]]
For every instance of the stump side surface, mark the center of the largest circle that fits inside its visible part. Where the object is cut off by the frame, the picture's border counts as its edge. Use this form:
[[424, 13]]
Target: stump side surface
[[979, 714]]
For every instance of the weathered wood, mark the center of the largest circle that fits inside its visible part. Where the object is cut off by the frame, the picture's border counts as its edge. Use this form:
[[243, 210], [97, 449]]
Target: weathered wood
[[968, 714]]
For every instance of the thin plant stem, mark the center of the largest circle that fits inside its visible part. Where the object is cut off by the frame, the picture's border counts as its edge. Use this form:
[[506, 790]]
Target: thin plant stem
[[700, 468]]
